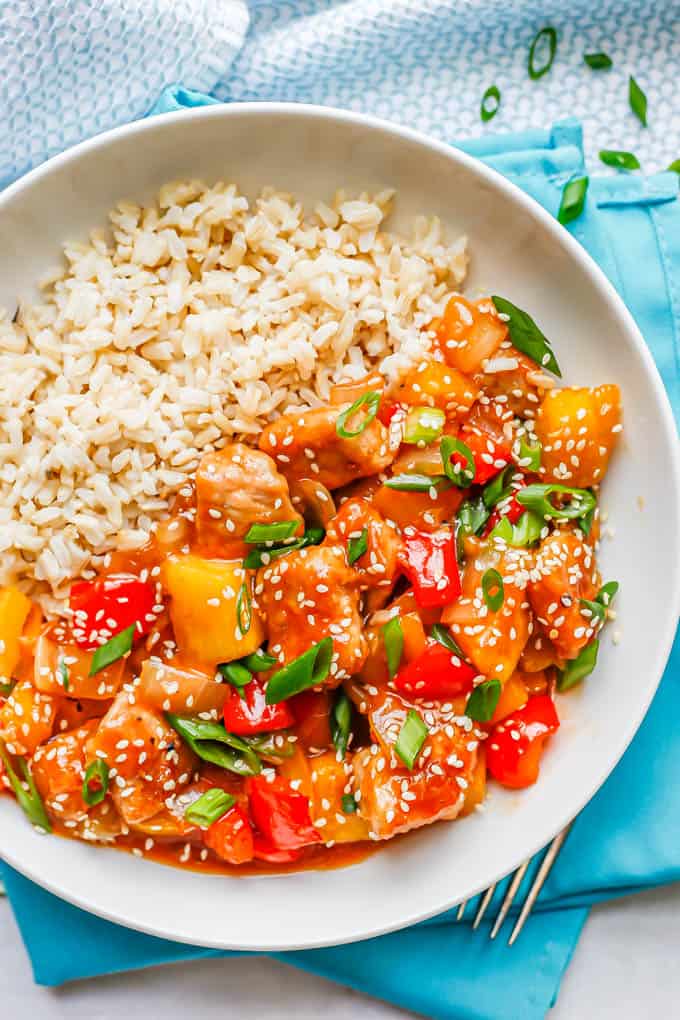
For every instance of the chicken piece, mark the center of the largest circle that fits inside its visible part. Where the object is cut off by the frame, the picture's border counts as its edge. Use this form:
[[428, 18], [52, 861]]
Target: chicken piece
[[578, 429], [149, 762], [394, 799], [379, 564], [308, 442], [308, 595], [492, 640], [59, 771], [26, 718], [520, 386], [565, 572], [236, 487]]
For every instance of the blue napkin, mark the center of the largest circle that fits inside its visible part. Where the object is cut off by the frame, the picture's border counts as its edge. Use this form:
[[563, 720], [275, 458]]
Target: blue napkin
[[627, 838]]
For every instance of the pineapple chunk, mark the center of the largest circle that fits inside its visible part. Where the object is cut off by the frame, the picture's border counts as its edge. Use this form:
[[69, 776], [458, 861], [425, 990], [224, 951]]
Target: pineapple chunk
[[436, 384], [329, 779], [14, 609], [578, 429], [207, 599]]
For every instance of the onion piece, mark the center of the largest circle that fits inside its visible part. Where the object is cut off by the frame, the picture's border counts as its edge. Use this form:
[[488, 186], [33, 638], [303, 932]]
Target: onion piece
[[427, 461], [179, 689], [313, 501], [500, 365]]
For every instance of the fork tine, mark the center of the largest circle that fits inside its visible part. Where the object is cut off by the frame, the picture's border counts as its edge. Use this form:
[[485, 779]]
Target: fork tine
[[482, 906], [461, 910], [509, 897], [542, 874]]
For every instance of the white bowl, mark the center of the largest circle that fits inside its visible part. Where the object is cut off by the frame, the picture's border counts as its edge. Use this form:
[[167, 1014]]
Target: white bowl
[[519, 251]]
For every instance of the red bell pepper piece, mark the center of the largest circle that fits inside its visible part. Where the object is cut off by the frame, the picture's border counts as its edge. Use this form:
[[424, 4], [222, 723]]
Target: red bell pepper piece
[[490, 455], [266, 851], [515, 744], [105, 607], [511, 509], [435, 673], [231, 837], [429, 561], [250, 714], [387, 411], [280, 815]]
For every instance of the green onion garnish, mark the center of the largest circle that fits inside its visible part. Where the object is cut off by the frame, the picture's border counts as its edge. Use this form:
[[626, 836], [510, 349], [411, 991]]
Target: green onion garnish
[[637, 100], [98, 772], [393, 636], [536, 498], [277, 532], [529, 455], [259, 662], [620, 159], [262, 557], [235, 673], [443, 637], [29, 800], [498, 488], [573, 200], [273, 747], [411, 739], [349, 805], [244, 608], [341, 722], [491, 101], [356, 547], [371, 401], [550, 35], [585, 523], [674, 166], [483, 700], [471, 517], [524, 533], [598, 61], [492, 589], [526, 336], [211, 742], [598, 607], [579, 668], [210, 806], [461, 475], [309, 670], [62, 673], [113, 650], [416, 483], [423, 425]]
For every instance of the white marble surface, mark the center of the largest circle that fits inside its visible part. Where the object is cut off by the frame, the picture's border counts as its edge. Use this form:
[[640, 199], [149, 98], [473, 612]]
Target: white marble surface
[[625, 967]]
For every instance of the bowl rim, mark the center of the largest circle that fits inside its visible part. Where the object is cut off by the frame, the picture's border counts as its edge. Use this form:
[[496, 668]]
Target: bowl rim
[[619, 311]]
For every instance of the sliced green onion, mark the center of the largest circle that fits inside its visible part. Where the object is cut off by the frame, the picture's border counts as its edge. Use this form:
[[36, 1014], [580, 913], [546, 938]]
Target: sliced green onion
[[262, 557], [309, 670], [524, 533], [491, 101], [356, 547], [209, 807], [97, 771], [637, 100], [573, 200], [674, 166], [423, 425], [393, 636], [471, 517], [29, 800], [349, 805], [443, 637], [235, 673], [6, 689], [62, 673], [526, 336], [415, 482], [277, 532], [211, 742], [483, 700], [411, 738], [259, 662], [535, 498], [492, 589], [371, 402], [499, 487], [550, 35], [529, 455], [341, 723], [620, 159], [461, 475], [598, 61], [273, 747], [598, 607], [579, 668], [113, 650], [244, 608]]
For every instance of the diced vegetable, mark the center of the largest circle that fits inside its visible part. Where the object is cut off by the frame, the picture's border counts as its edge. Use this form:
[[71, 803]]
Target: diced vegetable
[[329, 780], [14, 610], [109, 605], [247, 711], [515, 745], [512, 697], [430, 564], [231, 837], [412, 736], [280, 814], [438, 673]]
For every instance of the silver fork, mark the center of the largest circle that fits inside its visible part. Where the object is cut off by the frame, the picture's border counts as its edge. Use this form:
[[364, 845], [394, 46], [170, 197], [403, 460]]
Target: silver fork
[[536, 886]]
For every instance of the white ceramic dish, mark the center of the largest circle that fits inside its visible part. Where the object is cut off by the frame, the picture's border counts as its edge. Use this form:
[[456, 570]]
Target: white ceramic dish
[[519, 251]]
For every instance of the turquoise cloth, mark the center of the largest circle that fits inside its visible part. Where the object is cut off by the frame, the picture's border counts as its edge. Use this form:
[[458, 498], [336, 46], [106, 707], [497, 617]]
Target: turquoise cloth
[[626, 839]]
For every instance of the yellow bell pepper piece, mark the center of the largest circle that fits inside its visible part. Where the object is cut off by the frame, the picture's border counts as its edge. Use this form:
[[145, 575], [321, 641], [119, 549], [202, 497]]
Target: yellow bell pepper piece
[[14, 609]]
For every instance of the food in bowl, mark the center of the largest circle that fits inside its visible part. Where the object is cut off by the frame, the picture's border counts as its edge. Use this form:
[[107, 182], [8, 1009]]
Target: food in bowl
[[302, 542]]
